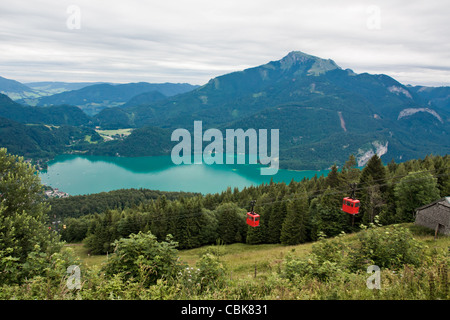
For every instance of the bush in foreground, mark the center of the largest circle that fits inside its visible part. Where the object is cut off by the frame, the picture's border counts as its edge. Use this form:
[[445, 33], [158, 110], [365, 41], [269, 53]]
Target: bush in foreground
[[142, 258]]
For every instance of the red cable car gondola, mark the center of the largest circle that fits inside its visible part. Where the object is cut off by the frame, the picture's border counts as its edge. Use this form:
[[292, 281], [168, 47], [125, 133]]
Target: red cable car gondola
[[350, 204], [252, 217]]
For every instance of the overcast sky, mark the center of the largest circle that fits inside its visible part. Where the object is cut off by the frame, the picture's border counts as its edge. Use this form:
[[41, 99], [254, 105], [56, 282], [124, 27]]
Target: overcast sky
[[195, 40]]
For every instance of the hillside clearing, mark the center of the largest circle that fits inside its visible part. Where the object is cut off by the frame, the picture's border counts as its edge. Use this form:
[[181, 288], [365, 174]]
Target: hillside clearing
[[244, 261], [110, 134]]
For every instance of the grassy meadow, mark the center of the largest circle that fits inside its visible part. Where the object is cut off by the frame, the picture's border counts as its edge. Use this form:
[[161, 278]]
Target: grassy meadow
[[254, 272]]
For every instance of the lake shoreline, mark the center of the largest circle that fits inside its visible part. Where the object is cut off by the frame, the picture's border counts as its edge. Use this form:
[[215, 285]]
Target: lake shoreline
[[87, 174]]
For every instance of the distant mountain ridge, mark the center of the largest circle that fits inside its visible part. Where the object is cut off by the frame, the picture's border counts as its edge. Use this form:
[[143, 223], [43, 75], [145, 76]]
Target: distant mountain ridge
[[92, 99], [44, 141], [58, 86], [324, 113], [438, 96], [16, 90], [298, 77], [54, 115]]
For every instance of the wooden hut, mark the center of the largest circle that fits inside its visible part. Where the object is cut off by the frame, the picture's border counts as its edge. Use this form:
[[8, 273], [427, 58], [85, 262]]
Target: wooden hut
[[435, 215]]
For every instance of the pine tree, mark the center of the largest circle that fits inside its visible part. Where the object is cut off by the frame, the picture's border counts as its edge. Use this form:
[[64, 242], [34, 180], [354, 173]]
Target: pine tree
[[327, 216], [188, 222], [277, 216], [392, 166], [257, 235], [103, 232], [372, 188], [294, 229], [375, 202], [350, 173], [376, 171], [231, 222], [333, 177], [208, 231]]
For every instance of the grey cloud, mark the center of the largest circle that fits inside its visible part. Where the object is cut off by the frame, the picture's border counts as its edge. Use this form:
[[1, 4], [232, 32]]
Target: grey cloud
[[193, 41]]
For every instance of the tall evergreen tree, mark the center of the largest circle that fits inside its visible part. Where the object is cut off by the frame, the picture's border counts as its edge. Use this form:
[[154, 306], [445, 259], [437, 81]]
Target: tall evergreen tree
[[372, 187], [294, 228], [327, 216], [350, 173], [277, 216], [375, 202], [188, 223], [103, 232], [333, 177], [258, 235], [231, 223], [376, 171]]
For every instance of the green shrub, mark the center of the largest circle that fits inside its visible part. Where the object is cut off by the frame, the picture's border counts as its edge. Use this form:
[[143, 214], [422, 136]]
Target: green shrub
[[331, 250], [142, 258], [218, 249], [211, 272], [389, 247], [312, 267], [208, 275], [26, 243]]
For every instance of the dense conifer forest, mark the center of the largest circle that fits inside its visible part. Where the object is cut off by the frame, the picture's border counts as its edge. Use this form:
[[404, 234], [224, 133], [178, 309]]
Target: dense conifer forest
[[290, 213], [144, 233]]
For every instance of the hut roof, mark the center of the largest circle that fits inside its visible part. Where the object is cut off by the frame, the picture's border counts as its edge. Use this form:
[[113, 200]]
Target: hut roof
[[445, 201]]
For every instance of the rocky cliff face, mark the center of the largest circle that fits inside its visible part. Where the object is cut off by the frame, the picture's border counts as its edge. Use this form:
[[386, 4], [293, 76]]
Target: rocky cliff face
[[376, 147], [410, 111]]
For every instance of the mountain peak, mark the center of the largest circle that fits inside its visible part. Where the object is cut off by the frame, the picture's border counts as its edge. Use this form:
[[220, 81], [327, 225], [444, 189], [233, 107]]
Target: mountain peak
[[319, 65], [299, 55]]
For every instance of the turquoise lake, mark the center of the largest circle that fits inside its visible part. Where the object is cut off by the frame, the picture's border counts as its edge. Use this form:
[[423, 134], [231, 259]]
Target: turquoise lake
[[93, 174]]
